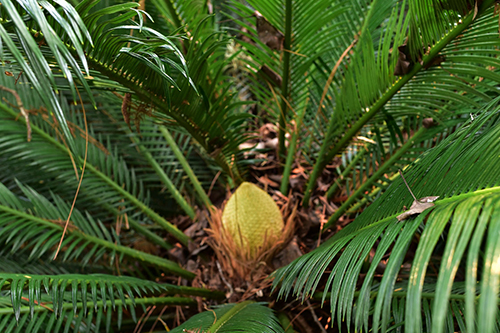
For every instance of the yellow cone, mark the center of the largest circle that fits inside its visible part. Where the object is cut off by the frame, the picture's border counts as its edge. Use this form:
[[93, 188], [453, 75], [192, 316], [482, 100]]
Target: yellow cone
[[253, 219]]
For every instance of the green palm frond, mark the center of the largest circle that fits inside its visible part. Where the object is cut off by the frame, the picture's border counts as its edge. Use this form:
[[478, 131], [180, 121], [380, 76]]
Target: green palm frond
[[44, 320], [106, 46], [107, 175], [467, 62], [132, 53], [431, 20], [46, 21], [21, 263], [151, 156], [163, 170], [102, 287], [463, 68], [468, 206], [150, 64], [218, 114], [247, 316], [57, 302], [18, 232], [369, 70], [304, 42], [113, 158], [455, 310], [370, 164], [182, 15]]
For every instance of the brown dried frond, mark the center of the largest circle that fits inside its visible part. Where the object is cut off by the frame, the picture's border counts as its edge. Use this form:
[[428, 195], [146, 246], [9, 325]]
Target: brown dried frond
[[141, 112], [127, 101]]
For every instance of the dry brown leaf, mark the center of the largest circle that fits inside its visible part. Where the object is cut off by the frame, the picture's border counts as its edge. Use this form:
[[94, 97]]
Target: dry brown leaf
[[267, 182], [126, 104], [270, 75], [404, 64], [428, 122], [418, 207], [268, 34]]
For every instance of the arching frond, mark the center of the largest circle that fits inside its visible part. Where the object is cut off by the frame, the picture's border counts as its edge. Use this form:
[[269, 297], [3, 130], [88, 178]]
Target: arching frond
[[182, 15], [20, 262], [462, 62], [455, 309], [149, 64], [370, 164], [47, 22], [57, 302], [18, 232], [403, 97], [104, 171], [292, 63], [247, 316], [431, 20], [467, 207]]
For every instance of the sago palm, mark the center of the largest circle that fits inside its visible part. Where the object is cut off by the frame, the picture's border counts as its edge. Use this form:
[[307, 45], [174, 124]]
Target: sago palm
[[141, 108], [86, 75]]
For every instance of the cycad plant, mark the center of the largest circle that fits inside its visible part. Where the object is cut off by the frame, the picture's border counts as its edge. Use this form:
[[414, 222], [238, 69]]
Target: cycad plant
[[122, 126]]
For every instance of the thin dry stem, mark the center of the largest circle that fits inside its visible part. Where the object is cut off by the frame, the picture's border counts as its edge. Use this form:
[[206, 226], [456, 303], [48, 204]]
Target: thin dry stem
[[81, 177], [63, 140], [38, 303], [158, 319], [224, 279], [409, 189], [21, 108], [311, 309], [213, 182], [332, 75]]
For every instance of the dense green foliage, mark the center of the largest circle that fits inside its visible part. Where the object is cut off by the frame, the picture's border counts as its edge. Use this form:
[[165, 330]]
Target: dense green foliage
[[142, 112]]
